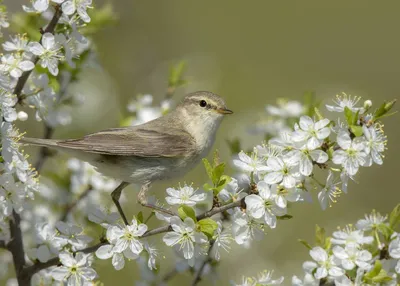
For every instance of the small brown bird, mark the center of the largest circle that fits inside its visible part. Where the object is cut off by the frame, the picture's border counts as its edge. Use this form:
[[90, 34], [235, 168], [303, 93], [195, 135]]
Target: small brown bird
[[164, 148]]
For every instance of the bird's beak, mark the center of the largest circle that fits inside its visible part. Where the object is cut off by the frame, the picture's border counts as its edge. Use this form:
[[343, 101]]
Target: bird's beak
[[224, 111]]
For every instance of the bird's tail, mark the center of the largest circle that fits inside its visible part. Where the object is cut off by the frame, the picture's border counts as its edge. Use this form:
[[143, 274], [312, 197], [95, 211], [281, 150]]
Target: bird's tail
[[40, 142]]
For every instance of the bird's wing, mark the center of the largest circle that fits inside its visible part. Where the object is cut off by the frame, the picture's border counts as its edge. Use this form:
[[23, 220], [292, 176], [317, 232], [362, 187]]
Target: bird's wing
[[135, 141]]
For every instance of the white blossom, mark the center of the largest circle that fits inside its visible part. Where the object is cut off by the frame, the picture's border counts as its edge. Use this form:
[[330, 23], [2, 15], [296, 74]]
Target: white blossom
[[185, 195], [371, 221], [310, 132], [128, 237], [330, 192], [250, 164], [245, 228], [324, 264], [306, 157], [350, 235], [394, 248], [11, 195], [18, 43], [7, 103], [71, 234], [69, 7], [49, 52], [74, 270], [351, 256], [286, 109], [15, 66], [184, 235], [343, 101], [352, 153], [375, 144], [282, 170], [222, 239], [263, 206]]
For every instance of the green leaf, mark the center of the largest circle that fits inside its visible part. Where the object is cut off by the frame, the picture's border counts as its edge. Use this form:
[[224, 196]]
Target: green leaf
[[284, 217], [355, 117], [385, 230], [348, 114], [209, 168], [356, 130], [175, 75], [318, 113], [208, 226], [374, 271], [320, 235], [207, 187], [139, 217], [234, 145], [217, 173], [127, 121], [384, 109], [394, 217], [186, 211], [305, 243]]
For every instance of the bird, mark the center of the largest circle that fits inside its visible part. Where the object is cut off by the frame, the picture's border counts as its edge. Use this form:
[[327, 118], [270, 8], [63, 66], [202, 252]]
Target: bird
[[164, 148]]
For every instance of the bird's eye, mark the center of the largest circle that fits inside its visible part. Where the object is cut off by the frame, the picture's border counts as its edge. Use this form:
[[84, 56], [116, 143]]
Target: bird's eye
[[203, 103]]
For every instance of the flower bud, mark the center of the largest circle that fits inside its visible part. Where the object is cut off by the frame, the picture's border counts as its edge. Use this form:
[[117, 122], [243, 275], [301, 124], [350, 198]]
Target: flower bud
[[367, 104], [22, 115]]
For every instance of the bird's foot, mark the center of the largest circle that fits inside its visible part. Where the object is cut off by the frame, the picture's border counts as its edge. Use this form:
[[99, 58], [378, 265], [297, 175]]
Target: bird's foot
[[143, 200], [115, 195]]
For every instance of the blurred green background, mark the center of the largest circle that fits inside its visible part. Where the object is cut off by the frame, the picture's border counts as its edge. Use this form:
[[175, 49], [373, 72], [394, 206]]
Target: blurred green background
[[250, 53]]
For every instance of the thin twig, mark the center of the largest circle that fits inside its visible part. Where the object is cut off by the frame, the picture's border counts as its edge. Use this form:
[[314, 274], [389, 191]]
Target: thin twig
[[55, 261], [44, 151], [197, 276], [29, 271], [49, 29], [72, 205], [171, 274]]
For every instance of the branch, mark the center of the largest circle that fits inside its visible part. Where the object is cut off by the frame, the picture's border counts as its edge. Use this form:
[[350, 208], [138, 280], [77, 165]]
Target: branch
[[29, 271], [197, 276], [3, 244], [16, 247], [72, 205], [49, 29]]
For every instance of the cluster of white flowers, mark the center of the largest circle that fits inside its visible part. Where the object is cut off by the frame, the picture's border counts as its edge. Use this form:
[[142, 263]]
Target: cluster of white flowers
[[368, 254], [143, 109], [365, 255]]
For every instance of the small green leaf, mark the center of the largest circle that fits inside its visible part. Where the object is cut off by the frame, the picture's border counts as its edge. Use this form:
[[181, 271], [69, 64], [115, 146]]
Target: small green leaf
[[356, 130], [385, 230], [207, 187], [208, 226], [209, 168], [305, 243], [284, 217], [127, 121], [355, 117], [394, 217], [217, 173], [374, 271], [320, 235], [348, 115], [318, 113], [234, 145], [186, 211], [139, 217], [384, 109], [175, 76]]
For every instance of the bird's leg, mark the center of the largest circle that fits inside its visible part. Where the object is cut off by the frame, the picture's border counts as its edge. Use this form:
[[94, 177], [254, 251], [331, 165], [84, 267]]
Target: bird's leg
[[115, 195], [142, 199]]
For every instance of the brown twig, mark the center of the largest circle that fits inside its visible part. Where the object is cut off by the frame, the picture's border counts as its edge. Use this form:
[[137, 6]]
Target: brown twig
[[72, 205], [16, 247], [199, 272], [49, 29]]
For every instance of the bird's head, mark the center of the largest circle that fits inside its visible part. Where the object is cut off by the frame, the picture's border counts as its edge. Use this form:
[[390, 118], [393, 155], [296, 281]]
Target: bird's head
[[206, 105]]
